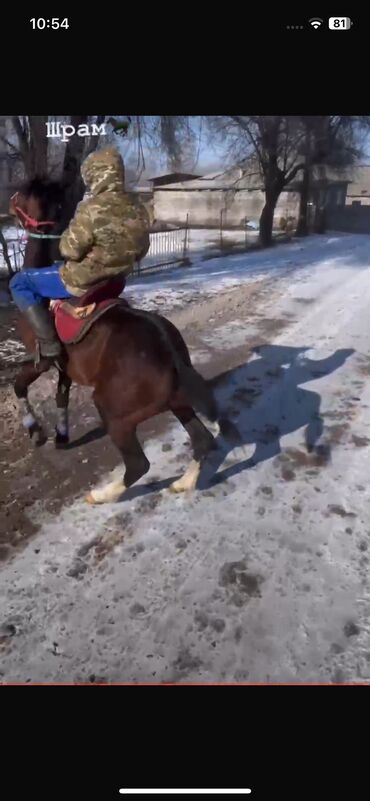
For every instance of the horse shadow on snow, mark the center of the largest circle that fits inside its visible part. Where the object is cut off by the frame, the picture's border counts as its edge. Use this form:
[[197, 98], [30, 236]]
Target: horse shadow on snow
[[265, 399]]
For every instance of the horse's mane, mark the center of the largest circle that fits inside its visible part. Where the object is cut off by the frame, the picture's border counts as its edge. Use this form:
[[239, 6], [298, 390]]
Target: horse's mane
[[43, 188]]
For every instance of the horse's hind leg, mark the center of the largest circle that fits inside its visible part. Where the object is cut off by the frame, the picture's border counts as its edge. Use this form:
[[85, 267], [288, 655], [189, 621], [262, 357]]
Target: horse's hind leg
[[134, 458], [202, 442], [62, 400], [24, 379]]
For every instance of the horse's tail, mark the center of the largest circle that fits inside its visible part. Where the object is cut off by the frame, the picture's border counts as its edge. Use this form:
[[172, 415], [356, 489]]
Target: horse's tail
[[197, 389], [202, 398]]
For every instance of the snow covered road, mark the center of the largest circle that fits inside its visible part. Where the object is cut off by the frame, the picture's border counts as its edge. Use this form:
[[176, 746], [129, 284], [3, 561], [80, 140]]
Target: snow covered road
[[262, 574]]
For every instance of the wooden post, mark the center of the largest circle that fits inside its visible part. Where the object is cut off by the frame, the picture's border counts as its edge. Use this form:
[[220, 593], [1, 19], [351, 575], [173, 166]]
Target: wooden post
[[245, 229], [221, 216], [186, 237], [5, 250]]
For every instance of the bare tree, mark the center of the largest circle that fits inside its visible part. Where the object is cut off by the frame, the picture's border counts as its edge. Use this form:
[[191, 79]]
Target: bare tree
[[271, 143], [335, 141], [31, 145], [174, 136], [4, 247]]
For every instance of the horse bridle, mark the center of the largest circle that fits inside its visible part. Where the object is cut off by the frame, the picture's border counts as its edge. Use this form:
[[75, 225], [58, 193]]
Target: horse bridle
[[29, 222]]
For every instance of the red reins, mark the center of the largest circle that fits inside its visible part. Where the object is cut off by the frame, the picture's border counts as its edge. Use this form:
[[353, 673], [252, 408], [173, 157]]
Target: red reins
[[27, 220]]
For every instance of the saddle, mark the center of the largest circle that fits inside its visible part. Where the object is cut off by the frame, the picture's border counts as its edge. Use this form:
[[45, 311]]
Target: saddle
[[74, 317]]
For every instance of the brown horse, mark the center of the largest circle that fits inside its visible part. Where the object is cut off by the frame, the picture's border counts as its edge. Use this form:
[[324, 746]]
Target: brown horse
[[136, 362]]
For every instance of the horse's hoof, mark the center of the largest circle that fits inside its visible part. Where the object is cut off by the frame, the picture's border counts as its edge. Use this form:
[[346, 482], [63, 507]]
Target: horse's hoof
[[40, 439], [37, 435], [175, 490], [61, 440], [90, 499]]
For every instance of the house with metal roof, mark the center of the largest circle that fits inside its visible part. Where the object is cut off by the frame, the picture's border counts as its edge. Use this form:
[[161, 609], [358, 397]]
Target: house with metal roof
[[234, 196], [228, 197]]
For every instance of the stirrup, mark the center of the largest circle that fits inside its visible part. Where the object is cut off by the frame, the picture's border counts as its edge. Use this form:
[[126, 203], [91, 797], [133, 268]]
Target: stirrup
[[51, 360]]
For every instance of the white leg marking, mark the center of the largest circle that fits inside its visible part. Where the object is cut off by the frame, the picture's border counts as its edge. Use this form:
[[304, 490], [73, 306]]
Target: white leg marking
[[215, 429], [28, 417], [62, 422], [108, 494], [188, 480], [28, 420]]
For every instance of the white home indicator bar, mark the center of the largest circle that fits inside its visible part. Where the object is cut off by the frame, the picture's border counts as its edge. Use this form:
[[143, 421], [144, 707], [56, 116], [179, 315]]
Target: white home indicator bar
[[185, 791]]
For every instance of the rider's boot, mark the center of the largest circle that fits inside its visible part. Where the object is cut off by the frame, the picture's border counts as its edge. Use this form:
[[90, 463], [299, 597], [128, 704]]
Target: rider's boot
[[49, 346]]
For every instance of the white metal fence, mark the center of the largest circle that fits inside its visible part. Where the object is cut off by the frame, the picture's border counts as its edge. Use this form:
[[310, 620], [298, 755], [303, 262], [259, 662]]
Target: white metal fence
[[12, 253], [166, 249], [16, 254]]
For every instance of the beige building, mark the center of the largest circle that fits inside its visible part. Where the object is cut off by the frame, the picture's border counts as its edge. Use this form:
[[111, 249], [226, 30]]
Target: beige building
[[236, 195], [358, 190], [231, 196]]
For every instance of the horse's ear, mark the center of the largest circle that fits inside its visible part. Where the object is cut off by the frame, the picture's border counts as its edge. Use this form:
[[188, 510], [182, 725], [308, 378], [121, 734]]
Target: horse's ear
[[14, 201], [34, 186], [65, 183], [25, 189], [58, 191]]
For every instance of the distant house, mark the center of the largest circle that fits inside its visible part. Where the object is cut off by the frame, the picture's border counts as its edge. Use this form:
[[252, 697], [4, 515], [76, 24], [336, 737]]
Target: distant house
[[235, 196], [171, 178], [358, 189], [339, 186], [232, 196], [145, 193]]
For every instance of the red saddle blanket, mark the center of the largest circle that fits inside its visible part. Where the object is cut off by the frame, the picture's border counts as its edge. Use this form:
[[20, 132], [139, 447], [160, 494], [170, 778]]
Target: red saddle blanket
[[75, 317]]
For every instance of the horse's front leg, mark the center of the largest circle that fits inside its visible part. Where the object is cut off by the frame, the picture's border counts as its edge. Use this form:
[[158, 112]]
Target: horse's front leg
[[62, 400], [24, 379]]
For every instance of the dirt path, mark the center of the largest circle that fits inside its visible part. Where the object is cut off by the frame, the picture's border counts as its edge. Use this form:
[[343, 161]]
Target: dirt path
[[262, 574], [56, 477]]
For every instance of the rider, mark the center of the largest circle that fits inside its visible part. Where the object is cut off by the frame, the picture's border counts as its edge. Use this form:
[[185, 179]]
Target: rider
[[109, 232]]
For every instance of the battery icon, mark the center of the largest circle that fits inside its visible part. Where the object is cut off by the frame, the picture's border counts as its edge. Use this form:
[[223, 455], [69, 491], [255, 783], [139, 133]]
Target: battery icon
[[340, 23]]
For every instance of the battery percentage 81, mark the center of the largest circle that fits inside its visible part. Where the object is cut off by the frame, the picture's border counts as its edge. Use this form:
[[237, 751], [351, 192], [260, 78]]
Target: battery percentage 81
[[340, 23]]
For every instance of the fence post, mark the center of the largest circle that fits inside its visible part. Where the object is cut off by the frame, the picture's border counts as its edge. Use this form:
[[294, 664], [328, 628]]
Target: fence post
[[186, 243], [246, 231], [221, 216]]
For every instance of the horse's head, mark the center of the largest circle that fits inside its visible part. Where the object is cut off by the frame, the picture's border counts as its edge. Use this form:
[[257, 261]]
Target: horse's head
[[38, 204]]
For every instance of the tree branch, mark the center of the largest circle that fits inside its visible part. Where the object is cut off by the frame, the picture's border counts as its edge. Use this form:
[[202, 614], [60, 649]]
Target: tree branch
[[4, 246], [245, 125], [292, 174], [9, 144], [21, 133]]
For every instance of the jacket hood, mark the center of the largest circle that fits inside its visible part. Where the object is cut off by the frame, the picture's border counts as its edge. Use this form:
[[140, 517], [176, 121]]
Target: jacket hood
[[103, 171]]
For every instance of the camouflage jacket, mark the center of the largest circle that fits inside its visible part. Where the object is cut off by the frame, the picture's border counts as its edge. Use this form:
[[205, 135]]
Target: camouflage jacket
[[110, 230]]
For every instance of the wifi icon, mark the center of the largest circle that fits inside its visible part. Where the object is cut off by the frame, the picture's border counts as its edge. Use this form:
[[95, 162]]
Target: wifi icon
[[316, 22]]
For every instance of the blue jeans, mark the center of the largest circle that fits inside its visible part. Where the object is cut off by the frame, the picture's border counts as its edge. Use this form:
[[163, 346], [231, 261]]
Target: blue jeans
[[30, 287]]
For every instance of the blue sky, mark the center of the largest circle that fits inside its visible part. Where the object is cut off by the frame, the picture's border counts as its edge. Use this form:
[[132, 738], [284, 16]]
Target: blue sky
[[211, 157], [207, 157]]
